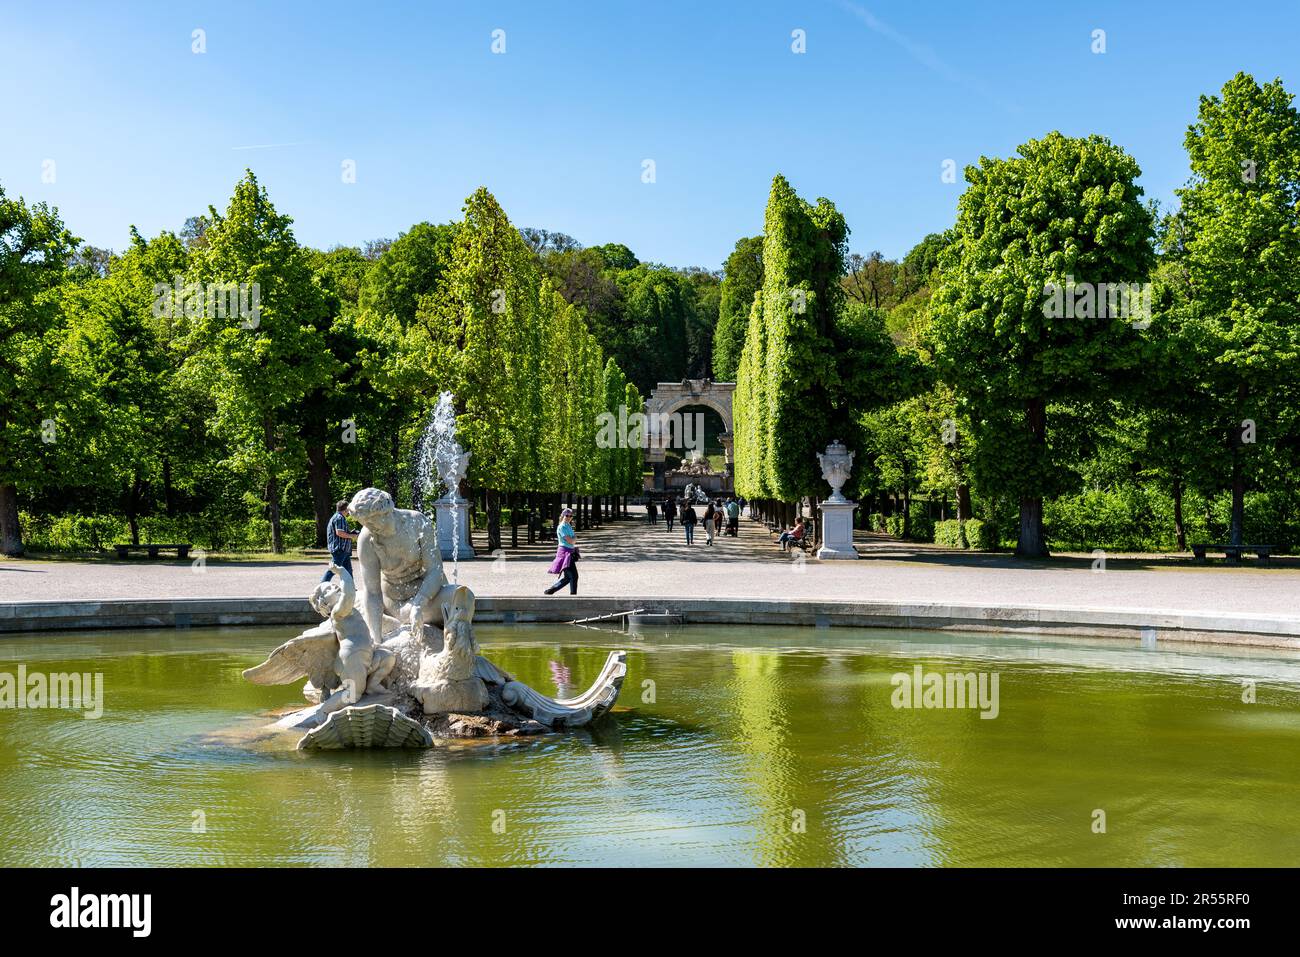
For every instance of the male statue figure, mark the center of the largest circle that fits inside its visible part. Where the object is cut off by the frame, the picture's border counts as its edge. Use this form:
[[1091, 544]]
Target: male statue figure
[[400, 563]]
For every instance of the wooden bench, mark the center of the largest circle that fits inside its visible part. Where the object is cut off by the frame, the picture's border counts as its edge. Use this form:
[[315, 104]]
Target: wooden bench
[[804, 544], [1233, 553], [124, 551]]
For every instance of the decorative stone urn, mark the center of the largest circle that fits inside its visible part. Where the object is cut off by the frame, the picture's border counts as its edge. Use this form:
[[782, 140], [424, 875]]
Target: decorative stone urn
[[837, 511], [836, 463]]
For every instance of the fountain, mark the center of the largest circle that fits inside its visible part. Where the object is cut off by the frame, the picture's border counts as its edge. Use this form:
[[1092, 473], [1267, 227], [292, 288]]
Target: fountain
[[441, 461], [395, 663]]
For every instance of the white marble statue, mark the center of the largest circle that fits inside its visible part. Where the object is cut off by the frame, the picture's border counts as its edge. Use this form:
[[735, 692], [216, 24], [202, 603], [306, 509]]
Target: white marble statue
[[400, 564], [339, 653], [447, 681], [408, 658]]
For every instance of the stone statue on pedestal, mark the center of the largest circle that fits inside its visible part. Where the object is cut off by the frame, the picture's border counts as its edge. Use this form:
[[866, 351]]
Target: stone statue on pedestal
[[837, 511], [425, 679]]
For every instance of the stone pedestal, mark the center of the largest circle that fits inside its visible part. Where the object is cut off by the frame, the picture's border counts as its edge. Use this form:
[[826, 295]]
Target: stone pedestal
[[837, 529], [453, 515]]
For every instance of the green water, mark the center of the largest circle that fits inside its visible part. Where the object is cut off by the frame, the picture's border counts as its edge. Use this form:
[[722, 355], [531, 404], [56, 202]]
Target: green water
[[732, 746]]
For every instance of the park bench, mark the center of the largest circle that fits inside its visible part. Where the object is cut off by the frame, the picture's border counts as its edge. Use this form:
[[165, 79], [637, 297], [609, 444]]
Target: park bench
[[541, 531], [804, 544], [124, 551], [1233, 553]]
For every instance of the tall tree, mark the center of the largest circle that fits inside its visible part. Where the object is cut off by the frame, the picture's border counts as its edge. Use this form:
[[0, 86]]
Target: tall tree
[[262, 360], [34, 252], [742, 277], [486, 303], [408, 269], [803, 249], [1239, 250], [1063, 210]]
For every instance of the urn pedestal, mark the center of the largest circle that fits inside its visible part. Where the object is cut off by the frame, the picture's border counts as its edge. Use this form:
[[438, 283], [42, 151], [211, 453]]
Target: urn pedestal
[[453, 515], [837, 511], [837, 530]]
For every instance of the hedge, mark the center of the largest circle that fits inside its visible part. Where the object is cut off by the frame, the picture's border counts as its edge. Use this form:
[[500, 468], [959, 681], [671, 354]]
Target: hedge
[[972, 534]]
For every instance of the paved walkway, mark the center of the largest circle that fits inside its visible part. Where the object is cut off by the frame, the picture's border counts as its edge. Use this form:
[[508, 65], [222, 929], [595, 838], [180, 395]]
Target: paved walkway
[[634, 559]]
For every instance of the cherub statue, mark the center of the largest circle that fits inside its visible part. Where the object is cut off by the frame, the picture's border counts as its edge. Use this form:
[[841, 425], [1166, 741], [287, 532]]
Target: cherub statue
[[337, 652], [447, 681]]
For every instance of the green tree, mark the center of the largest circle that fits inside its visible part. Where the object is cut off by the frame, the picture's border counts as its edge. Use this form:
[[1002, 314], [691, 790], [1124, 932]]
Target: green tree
[[34, 251], [260, 361], [487, 303], [1062, 210], [803, 249], [409, 269], [742, 277], [1238, 247]]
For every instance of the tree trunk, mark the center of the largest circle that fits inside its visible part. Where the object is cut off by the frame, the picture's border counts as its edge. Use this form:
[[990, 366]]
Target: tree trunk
[[907, 506], [169, 493], [1032, 540], [514, 519], [493, 521], [964, 510], [1235, 530], [11, 533], [318, 476], [273, 493], [273, 512], [1180, 533], [133, 509], [1031, 543]]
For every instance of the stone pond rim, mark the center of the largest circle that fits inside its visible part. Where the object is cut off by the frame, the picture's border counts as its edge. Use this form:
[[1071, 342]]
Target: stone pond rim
[[1164, 625]]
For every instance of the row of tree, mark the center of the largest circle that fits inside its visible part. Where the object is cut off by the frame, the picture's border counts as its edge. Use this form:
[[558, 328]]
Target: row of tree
[[1063, 337], [228, 371]]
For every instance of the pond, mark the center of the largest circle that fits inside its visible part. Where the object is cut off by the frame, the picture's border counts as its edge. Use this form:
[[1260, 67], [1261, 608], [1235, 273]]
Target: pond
[[730, 746]]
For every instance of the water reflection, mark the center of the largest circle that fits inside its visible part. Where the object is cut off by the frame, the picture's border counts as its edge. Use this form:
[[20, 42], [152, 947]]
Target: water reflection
[[730, 746]]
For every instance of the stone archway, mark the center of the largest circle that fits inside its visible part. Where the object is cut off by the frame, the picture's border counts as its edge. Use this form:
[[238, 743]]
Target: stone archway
[[668, 398]]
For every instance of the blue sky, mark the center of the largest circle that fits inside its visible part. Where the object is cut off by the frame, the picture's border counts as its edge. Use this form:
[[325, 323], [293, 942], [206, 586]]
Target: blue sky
[[143, 131]]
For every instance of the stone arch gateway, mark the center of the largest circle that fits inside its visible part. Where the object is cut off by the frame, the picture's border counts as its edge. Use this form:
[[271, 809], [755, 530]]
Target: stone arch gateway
[[668, 398]]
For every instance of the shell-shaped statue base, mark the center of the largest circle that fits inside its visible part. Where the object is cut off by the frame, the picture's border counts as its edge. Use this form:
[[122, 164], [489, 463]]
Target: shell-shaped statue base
[[368, 726], [558, 713]]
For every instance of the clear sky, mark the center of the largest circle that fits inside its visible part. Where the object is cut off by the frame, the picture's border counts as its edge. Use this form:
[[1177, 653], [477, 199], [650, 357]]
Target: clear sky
[[144, 131]]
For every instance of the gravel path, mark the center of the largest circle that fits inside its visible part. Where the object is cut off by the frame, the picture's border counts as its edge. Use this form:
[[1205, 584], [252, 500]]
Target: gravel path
[[634, 559]]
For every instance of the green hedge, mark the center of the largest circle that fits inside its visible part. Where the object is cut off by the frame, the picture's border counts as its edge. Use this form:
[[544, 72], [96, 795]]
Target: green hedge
[[81, 533], [981, 536], [950, 533], [922, 525], [1141, 519], [972, 533]]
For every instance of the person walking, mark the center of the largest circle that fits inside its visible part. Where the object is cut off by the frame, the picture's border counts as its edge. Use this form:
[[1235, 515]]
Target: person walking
[[689, 521], [566, 555], [670, 511], [710, 520], [652, 512], [733, 517], [339, 540]]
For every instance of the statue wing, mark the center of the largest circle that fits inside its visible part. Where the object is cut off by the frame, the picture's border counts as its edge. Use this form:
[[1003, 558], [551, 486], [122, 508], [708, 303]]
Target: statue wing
[[311, 654]]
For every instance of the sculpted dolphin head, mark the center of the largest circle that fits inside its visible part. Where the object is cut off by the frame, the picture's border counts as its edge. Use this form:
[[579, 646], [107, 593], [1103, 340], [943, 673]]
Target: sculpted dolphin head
[[458, 606]]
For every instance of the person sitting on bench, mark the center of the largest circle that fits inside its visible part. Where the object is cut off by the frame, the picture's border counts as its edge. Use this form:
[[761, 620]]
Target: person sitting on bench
[[792, 535]]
